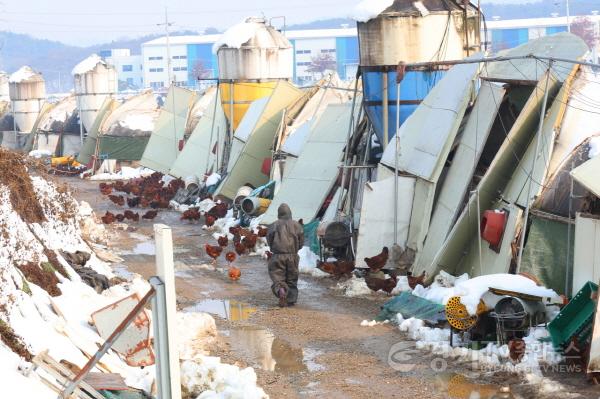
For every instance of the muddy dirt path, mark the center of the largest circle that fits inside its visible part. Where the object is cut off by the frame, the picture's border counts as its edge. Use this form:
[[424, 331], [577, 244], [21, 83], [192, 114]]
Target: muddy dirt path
[[315, 349]]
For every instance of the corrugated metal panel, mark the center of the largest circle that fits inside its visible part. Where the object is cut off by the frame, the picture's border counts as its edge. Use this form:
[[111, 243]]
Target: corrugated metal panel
[[586, 265], [197, 157], [426, 136], [587, 175], [163, 147], [561, 45], [247, 167], [315, 171], [458, 251], [470, 147], [376, 222]]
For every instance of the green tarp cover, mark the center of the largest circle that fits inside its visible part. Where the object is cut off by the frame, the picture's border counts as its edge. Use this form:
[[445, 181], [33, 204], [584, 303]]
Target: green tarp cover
[[122, 148], [409, 306], [545, 252]]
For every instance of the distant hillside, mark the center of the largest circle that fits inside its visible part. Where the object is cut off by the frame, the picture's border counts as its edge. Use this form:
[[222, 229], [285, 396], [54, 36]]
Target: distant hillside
[[54, 59], [323, 24]]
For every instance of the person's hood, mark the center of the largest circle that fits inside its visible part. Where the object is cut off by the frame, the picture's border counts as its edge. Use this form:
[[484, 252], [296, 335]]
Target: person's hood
[[284, 212]]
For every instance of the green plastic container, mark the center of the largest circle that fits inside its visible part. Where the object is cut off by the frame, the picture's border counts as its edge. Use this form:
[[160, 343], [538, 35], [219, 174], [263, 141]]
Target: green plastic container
[[575, 319]]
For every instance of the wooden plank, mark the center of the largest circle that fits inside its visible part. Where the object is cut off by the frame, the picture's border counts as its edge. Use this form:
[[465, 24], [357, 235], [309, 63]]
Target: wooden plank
[[106, 381]]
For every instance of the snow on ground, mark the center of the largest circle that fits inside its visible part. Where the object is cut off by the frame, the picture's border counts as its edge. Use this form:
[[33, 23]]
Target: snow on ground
[[138, 121], [373, 323], [87, 65], [61, 325], [369, 9], [471, 290], [23, 74], [40, 153], [354, 286], [126, 173]]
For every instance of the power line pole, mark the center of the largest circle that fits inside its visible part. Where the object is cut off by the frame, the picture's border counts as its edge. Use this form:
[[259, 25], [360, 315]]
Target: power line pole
[[167, 24], [568, 18]]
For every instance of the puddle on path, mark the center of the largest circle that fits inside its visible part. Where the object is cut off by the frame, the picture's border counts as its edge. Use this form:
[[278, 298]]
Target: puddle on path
[[225, 309], [272, 353], [457, 386], [149, 248]]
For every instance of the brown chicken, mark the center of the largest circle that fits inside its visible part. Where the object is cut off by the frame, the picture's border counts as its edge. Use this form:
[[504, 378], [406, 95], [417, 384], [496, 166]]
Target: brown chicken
[[235, 230], [338, 268], [209, 220], [516, 349], [250, 241], [414, 281], [130, 215], [230, 256], [133, 202], [262, 231], [149, 215], [240, 248], [108, 218], [223, 241], [192, 214], [376, 284], [105, 188], [213, 252], [117, 199], [234, 273], [218, 211], [377, 262], [120, 217]]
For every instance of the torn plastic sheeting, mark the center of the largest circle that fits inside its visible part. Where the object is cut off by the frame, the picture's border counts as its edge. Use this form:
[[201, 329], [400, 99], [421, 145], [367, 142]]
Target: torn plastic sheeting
[[409, 305]]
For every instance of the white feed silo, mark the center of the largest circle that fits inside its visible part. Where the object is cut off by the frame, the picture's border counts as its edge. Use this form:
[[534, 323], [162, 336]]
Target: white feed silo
[[4, 86], [253, 56], [95, 81], [27, 91]]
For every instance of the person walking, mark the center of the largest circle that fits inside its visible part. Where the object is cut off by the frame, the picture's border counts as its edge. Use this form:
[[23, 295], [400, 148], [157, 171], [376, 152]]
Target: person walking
[[285, 238]]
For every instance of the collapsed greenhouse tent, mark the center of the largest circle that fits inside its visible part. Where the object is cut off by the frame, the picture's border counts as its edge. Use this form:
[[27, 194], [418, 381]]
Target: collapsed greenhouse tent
[[121, 132]]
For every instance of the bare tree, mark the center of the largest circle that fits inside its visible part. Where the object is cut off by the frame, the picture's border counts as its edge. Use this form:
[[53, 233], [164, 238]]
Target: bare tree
[[200, 71], [321, 63], [584, 28]]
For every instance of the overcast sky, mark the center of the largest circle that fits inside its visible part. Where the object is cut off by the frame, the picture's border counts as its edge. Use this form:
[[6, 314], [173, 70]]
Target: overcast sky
[[85, 22]]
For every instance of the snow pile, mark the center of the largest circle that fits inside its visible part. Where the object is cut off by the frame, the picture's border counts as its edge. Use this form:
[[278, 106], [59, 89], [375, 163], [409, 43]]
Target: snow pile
[[40, 153], [23, 74], [238, 35], [354, 287], [207, 378], [87, 65], [401, 285], [436, 340], [213, 179], [372, 323], [126, 173], [308, 263], [471, 290], [594, 144], [202, 205], [138, 121], [369, 9], [195, 332]]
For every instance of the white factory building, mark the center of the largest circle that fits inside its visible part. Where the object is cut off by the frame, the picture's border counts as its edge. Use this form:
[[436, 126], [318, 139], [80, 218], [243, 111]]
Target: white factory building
[[130, 68]]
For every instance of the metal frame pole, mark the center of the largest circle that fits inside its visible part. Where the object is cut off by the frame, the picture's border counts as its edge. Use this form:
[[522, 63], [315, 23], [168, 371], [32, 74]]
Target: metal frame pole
[[533, 162], [347, 151], [161, 339]]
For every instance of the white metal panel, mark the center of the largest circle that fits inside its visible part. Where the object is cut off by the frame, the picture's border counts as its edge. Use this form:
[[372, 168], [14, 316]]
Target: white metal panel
[[250, 119], [315, 171], [587, 175], [197, 157], [426, 136], [376, 222], [586, 262], [468, 151]]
